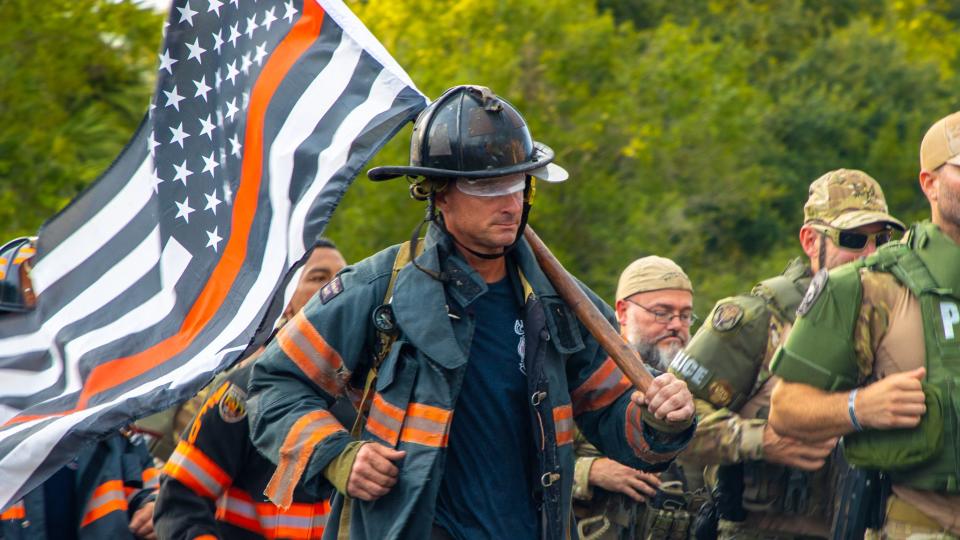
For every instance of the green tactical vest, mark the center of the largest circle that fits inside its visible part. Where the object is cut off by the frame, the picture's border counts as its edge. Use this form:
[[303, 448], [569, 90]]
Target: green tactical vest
[[722, 364], [926, 457]]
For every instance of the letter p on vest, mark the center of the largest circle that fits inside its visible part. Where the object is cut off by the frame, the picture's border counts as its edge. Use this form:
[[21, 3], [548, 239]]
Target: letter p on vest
[[950, 316]]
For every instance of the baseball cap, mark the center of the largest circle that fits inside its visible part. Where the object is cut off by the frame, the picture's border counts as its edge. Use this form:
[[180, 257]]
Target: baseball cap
[[847, 199], [941, 144], [652, 274]]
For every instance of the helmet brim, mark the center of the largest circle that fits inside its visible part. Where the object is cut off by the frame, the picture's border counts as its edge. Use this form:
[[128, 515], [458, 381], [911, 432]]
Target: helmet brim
[[540, 166]]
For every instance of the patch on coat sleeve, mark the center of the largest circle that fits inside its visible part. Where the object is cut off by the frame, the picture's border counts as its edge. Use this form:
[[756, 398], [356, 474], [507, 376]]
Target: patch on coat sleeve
[[233, 405], [331, 290], [727, 316], [817, 285]]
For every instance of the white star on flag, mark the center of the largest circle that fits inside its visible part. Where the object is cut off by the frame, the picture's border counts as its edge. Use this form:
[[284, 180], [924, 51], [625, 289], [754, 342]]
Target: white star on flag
[[261, 53], [186, 14], [207, 127], [182, 172], [210, 164], [231, 109], [235, 145], [251, 26], [234, 34], [152, 144], [178, 135], [155, 181], [173, 98], [217, 41], [232, 72], [212, 201], [269, 18], [183, 210], [213, 239], [196, 50], [166, 62], [202, 88]]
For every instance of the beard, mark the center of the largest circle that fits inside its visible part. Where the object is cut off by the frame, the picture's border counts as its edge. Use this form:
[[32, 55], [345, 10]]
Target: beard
[[657, 355]]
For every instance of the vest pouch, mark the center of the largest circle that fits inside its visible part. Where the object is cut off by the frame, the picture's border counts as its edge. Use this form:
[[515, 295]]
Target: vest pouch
[[900, 449]]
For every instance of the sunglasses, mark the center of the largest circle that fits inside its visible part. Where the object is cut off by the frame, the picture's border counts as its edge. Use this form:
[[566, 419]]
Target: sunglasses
[[851, 240]]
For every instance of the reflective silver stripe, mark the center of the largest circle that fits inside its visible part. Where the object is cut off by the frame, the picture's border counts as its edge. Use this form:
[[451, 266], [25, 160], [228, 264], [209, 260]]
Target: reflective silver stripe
[[236, 505], [425, 424], [208, 482], [329, 380], [112, 495]]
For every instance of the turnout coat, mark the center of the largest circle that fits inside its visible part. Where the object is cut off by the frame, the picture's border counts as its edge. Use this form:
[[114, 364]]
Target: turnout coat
[[328, 348]]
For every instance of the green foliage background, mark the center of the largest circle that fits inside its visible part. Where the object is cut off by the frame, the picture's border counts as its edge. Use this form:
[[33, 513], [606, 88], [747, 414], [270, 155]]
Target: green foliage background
[[691, 128]]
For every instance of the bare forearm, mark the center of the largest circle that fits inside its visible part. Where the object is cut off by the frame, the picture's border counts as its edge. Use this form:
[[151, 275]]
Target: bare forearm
[[807, 413]]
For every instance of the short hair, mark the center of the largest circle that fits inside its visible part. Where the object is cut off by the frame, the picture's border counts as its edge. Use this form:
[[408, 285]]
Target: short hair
[[323, 242]]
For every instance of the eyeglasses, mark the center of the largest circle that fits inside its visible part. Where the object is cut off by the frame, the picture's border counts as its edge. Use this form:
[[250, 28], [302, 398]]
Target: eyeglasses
[[687, 318], [851, 240]]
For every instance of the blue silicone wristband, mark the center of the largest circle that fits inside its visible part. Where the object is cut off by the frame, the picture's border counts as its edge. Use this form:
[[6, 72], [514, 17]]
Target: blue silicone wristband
[[852, 412]]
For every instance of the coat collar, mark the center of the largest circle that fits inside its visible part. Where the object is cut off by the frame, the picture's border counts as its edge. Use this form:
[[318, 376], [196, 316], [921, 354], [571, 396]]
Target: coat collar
[[420, 302]]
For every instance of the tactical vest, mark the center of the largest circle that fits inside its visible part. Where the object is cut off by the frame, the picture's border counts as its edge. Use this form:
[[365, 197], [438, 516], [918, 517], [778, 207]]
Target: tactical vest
[[925, 457], [723, 363]]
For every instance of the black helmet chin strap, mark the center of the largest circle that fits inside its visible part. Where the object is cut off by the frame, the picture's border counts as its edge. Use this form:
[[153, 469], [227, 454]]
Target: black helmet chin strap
[[430, 215]]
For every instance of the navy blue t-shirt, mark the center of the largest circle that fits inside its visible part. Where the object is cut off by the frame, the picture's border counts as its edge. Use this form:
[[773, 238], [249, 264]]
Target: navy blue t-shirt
[[487, 491]]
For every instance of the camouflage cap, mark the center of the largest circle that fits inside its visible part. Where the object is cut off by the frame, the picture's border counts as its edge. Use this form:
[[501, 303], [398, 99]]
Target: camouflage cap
[[847, 199], [652, 274], [941, 144]]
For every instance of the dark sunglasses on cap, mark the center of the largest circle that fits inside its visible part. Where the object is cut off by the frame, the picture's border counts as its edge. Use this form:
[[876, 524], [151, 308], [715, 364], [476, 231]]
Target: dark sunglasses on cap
[[854, 241]]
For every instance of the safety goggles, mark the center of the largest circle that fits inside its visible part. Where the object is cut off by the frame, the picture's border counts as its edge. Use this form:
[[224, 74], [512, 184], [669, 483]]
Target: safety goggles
[[854, 241], [492, 187]]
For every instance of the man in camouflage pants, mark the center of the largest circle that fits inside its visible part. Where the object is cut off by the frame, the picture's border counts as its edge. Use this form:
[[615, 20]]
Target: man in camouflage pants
[[654, 305], [769, 485]]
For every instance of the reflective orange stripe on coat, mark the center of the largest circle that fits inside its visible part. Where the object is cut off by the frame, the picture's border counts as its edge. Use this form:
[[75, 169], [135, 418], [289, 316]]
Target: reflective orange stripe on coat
[[303, 437], [192, 468], [17, 511], [563, 423], [634, 431], [301, 521], [601, 389], [108, 497], [419, 424], [151, 478], [313, 355]]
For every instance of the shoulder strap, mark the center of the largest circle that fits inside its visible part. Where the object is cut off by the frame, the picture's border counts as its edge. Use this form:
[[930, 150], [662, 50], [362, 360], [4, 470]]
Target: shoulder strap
[[384, 339], [781, 294], [905, 265]]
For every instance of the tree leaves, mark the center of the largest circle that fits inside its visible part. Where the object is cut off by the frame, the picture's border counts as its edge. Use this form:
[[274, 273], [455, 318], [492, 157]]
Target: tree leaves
[[691, 129]]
